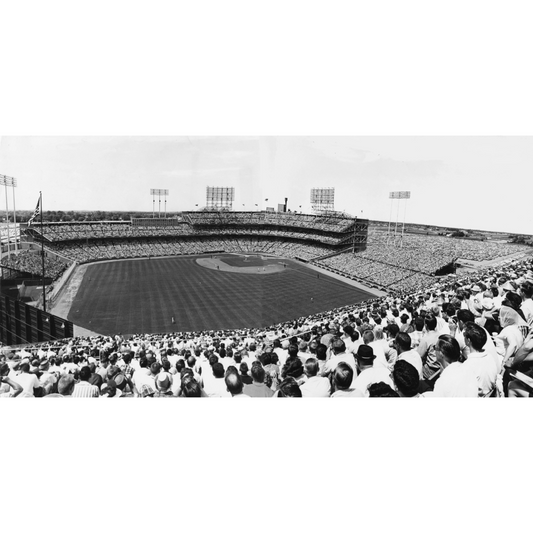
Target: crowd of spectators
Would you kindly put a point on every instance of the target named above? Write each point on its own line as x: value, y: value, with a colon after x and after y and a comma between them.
x: 443, y: 249
x: 325, y: 222
x: 373, y: 272
x: 410, y: 265
x: 97, y: 250
x: 467, y: 336
x: 29, y: 261
x: 197, y: 224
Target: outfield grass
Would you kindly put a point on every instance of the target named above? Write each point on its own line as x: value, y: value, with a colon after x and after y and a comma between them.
x: 135, y: 296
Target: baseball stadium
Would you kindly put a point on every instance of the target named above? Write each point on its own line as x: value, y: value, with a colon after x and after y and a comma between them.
x: 312, y: 302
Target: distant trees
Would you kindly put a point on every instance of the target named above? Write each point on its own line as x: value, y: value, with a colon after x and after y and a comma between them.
x: 521, y: 239
x: 82, y: 216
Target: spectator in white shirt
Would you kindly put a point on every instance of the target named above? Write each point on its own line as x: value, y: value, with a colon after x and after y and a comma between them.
x: 351, y: 339
x: 316, y: 386
x: 418, y: 333
x: 339, y: 354
x: 368, y: 373
x: 456, y: 379
x: 342, y: 380
x: 29, y: 382
x: 369, y: 338
x: 215, y: 385
x: 402, y: 342
x: 480, y: 361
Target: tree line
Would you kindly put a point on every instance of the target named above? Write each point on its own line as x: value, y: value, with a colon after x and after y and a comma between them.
x: 82, y: 216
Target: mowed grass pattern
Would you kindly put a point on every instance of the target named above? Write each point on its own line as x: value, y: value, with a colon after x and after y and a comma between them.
x: 142, y: 296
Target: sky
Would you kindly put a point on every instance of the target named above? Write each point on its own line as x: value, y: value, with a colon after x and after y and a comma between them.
x: 457, y: 181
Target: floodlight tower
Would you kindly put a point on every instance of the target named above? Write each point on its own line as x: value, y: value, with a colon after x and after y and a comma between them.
x: 8, y: 181
x: 220, y: 198
x: 159, y: 193
x: 398, y: 195
x: 323, y: 200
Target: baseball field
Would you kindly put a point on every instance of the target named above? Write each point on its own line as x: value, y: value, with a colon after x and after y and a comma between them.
x: 194, y: 293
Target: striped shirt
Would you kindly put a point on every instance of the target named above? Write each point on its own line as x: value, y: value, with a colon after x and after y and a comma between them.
x: 84, y: 389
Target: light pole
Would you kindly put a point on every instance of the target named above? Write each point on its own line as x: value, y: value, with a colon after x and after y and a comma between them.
x: 8, y: 181
x: 159, y: 193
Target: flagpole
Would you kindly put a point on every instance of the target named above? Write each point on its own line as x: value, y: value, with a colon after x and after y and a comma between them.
x: 42, y: 249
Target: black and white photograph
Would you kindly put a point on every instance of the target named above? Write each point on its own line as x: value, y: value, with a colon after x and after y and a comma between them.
x: 209, y: 201
x: 257, y: 269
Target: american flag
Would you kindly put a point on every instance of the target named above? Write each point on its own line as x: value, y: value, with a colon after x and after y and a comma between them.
x: 36, y: 212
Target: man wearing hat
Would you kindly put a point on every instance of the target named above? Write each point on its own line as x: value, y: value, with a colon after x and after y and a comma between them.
x: 474, y: 302
x: 163, y: 384
x: 508, y: 286
x: 47, y: 379
x: 146, y: 391
x: 110, y: 390
x: 124, y: 384
x: 487, y: 320
x: 367, y: 372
